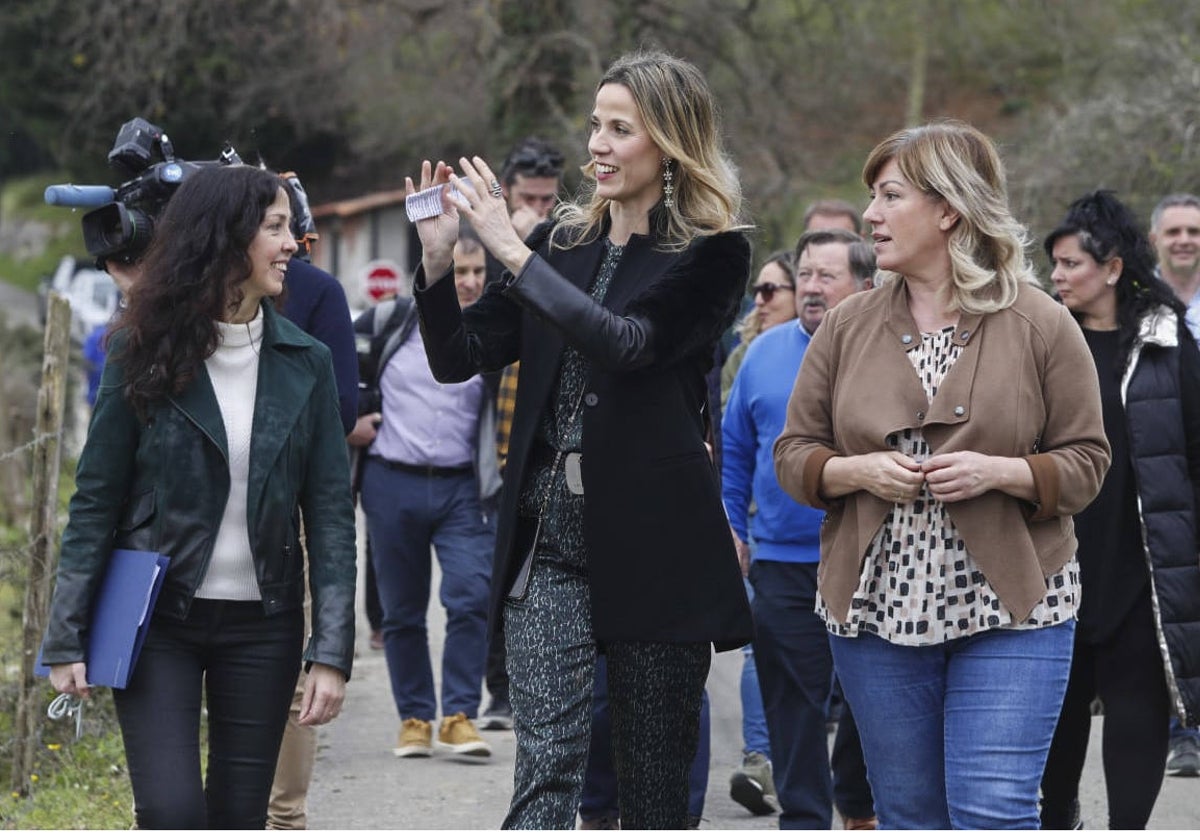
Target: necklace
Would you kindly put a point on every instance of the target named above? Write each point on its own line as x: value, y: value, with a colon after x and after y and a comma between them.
x: 250, y: 336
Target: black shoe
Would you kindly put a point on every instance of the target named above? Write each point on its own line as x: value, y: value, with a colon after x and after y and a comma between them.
x: 752, y: 786
x: 1058, y: 818
x: 498, y: 715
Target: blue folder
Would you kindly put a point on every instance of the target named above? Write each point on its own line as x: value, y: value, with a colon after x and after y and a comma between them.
x: 120, y: 616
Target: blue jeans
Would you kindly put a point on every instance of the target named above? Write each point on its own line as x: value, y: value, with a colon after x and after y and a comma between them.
x: 406, y: 514
x: 956, y: 735
x: 1179, y: 731
x: 754, y: 720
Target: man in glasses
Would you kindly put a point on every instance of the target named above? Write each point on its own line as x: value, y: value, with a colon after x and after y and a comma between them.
x: 791, y: 647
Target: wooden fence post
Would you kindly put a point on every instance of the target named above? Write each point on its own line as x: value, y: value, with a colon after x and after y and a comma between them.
x: 43, y: 529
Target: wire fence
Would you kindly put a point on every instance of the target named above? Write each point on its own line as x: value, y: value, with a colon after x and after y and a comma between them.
x: 30, y: 427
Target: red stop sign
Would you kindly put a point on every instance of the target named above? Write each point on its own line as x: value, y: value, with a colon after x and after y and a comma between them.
x: 381, y: 279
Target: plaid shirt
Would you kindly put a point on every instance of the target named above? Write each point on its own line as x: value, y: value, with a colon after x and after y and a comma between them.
x: 506, y: 400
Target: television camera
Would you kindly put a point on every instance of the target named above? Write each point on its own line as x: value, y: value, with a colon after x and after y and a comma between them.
x: 122, y: 223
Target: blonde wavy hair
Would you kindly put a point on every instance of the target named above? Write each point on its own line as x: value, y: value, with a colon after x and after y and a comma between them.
x: 675, y: 105
x: 956, y: 162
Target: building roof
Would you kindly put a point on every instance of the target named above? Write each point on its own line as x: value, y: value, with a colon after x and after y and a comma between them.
x: 358, y: 206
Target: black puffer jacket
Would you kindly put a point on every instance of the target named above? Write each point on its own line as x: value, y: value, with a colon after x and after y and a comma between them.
x: 1164, y: 442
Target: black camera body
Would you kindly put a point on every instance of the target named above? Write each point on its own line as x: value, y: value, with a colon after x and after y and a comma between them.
x: 122, y: 224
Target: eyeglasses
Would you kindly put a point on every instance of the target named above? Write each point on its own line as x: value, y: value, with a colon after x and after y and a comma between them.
x: 534, y: 162
x: 768, y: 290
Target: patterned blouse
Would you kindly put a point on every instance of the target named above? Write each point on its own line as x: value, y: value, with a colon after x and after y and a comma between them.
x: 919, y: 584
x: 561, y: 430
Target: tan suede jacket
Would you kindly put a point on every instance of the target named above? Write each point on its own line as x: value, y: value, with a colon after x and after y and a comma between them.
x: 1024, y: 386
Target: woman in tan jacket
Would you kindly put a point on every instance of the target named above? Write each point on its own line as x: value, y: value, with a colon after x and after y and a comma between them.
x: 949, y: 423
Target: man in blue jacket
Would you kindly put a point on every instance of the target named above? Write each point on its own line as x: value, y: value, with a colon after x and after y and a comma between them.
x: 791, y: 647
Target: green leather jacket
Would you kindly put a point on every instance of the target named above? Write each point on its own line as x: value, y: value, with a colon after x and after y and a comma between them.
x: 162, y: 486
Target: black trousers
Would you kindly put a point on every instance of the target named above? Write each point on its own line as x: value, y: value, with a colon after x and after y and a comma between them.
x: 244, y: 665
x: 1126, y: 673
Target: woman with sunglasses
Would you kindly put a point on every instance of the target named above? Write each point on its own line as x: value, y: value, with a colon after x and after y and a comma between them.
x: 774, y: 295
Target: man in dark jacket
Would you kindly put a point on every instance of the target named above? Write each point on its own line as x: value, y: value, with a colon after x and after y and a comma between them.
x: 315, y: 302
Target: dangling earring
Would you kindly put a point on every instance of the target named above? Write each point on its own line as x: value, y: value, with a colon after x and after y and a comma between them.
x: 668, y: 186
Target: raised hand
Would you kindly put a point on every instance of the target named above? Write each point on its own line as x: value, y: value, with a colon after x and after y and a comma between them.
x: 439, y: 233
x: 483, y: 205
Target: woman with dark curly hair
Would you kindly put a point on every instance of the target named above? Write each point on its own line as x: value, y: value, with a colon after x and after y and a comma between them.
x: 1136, y: 645
x: 215, y: 424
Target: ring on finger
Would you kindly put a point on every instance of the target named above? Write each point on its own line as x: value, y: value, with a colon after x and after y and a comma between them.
x: 494, y: 188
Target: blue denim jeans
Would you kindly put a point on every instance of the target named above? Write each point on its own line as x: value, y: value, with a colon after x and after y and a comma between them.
x: 754, y: 720
x: 406, y: 514
x: 956, y: 735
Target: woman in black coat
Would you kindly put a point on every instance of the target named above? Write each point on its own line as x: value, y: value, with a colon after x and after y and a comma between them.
x: 1137, y: 644
x: 611, y: 530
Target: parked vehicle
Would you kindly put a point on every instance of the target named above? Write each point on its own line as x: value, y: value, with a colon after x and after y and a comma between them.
x: 93, y: 295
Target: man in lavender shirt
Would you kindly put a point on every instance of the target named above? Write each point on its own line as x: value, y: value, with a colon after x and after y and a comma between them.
x: 430, y: 478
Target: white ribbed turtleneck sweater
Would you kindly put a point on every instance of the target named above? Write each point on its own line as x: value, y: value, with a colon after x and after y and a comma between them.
x: 233, y: 369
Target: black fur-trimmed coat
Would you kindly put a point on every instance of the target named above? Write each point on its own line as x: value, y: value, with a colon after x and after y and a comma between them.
x: 662, y: 565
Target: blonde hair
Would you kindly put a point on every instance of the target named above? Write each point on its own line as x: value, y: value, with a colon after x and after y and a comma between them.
x: 675, y: 105
x: 958, y: 163
x: 749, y: 327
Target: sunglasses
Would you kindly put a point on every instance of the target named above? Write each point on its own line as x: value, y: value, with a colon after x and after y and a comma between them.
x: 534, y: 163
x: 768, y: 290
